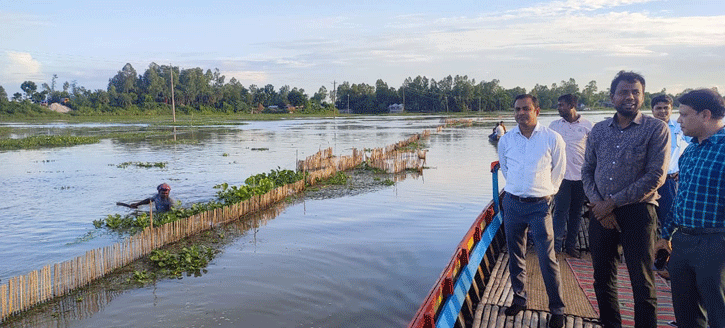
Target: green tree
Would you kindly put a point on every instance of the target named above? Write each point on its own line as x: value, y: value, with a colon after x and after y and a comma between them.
x: 297, y: 97
x: 385, y: 96
x: 17, y: 96
x: 320, y: 96
x: 30, y: 88
x: 125, y: 81
x: 3, y: 95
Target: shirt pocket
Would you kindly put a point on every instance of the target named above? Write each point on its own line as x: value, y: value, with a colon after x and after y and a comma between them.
x: 634, y: 154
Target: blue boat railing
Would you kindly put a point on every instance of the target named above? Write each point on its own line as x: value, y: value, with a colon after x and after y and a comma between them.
x: 455, y: 295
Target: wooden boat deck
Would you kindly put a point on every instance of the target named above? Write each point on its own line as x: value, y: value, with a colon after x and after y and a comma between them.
x: 498, y: 296
x: 474, y: 289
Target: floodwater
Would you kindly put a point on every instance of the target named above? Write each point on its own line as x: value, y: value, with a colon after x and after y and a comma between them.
x: 361, y: 260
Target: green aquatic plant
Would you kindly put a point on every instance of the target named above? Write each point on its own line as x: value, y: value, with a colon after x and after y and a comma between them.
x: 189, y: 260
x: 142, y: 164
x: 256, y: 185
x: 35, y: 142
x: 142, y: 277
x: 339, y: 178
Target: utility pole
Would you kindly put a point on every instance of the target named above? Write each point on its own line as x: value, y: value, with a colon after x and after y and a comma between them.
x: 348, y: 103
x: 334, y: 92
x: 173, y: 105
x: 403, y: 97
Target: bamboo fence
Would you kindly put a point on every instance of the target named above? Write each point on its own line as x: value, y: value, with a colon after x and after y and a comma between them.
x: 20, y: 293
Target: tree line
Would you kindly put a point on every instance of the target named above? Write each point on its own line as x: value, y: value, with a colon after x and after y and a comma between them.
x: 196, y: 90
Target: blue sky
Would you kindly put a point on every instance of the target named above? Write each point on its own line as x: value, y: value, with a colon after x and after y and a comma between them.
x: 674, y: 44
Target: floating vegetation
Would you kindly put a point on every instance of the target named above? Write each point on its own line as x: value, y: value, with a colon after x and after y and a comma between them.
x: 142, y: 277
x: 190, y: 260
x: 135, y: 222
x: 411, y: 147
x: 146, y: 165
x: 367, y: 167
x: 340, y: 179
x: 225, y: 155
x: 260, y: 149
x: 388, y: 182
x: 35, y: 142
x: 255, y: 185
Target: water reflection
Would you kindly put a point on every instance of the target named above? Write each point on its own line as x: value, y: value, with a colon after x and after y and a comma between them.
x: 368, y: 257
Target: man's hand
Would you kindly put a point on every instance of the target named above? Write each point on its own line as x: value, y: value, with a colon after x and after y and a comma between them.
x: 663, y: 244
x: 602, y: 208
x: 610, y: 222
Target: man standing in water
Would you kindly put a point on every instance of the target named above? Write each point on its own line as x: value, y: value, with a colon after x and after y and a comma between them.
x: 625, y: 162
x: 533, y: 160
x: 569, y: 200
x: 162, y: 201
x: 696, y: 222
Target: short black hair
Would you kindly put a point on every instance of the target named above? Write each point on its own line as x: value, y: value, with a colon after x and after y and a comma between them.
x: 702, y: 99
x: 629, y: 77
x: 661, y: 98
x: 569, y: 99
x: 526, y: 95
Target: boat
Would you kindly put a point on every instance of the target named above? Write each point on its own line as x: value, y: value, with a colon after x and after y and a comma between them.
x: 472, y: 290
x: 493, y: 137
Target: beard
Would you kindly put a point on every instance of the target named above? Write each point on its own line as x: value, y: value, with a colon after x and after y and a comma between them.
x: 627, y: 111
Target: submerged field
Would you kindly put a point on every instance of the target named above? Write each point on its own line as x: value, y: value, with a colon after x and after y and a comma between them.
x: 366, y: 255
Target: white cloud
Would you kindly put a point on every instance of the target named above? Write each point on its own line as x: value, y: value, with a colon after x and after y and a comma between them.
x: 259, y: 78
x: 615, y: 34
x: 20, y: 67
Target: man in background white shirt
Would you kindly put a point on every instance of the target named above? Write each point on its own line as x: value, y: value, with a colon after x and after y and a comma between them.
x: 533, y: 161
x: 662, y: 109
x: 569, y: 200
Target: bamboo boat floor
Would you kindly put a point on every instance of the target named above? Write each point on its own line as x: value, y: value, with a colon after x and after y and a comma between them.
x: 498, y: 295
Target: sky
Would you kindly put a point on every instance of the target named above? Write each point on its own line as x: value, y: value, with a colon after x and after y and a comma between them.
x: 308, y: 44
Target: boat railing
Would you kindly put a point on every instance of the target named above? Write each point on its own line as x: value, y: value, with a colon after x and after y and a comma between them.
x: 454, y: 296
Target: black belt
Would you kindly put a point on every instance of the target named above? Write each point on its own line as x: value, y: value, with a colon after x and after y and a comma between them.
x: 700, y: 231
x: 529, y: 199
x: 673, y: 176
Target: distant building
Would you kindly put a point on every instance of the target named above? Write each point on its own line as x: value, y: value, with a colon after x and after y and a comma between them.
x: 396, y: 108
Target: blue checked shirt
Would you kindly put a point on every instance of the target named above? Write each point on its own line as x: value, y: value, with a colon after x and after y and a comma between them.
x: 700, y: 200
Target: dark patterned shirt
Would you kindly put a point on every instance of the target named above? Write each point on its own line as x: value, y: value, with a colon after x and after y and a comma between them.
x: 627, y: 165
x: 700, y: 200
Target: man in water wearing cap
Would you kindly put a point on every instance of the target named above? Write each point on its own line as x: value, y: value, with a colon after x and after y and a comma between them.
x: 162, y: 201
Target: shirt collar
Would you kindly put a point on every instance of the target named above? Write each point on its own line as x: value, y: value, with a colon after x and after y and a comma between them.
x: 637, y: 119
x: 717, y: 138
x: 537, y: 128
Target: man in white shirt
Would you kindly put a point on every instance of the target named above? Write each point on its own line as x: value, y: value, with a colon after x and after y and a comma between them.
x: 662, y: 109
x: 533, y: 160
x: 569, y: 200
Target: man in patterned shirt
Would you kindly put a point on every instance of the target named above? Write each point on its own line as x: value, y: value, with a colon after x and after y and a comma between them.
x: 697, y: 263
x: 624, y: 163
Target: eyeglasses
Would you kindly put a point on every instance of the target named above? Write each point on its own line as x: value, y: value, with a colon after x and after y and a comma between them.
x: 164, y: 189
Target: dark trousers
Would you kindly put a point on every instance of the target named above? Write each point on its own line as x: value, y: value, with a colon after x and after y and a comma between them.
x: 568, y: 204
x: 518, y: 218
x: 667, y: 192
x: 697, y: 272
x: 638, y: 224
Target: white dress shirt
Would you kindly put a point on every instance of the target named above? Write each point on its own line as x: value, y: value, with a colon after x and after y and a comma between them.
x: 534, y: 166
x: 678, y: 142
x: 575, y: 136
